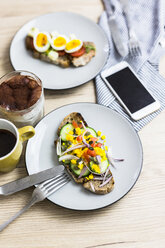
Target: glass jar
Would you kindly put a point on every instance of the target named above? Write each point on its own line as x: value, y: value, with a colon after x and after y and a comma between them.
x: 21, y: 98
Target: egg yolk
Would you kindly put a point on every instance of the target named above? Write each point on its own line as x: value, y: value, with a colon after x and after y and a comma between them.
x: 41, y: 40
x: 60, y: 41
x: 73, y: 44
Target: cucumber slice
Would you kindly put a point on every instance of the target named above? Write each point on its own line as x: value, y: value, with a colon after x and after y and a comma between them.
x: 77, y: 171
x: 65, y: 130
x: 92, y: 131
x: 103, y: 166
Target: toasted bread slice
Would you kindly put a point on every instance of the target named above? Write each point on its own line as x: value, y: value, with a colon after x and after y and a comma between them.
x: 96, y: 185
x: 86, y: 57
x: 86, y: 184
x: 62, y: 61
x: 65, y: 60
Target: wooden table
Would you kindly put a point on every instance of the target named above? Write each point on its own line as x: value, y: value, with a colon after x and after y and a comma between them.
x: 135, y: 221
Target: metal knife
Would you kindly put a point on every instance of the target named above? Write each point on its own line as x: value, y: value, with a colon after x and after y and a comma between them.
x: 26, y: 182
x: 115, y: 29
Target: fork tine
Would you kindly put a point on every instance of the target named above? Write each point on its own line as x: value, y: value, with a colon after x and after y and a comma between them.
x: 135, y: 48
x: 50, y: 186
x: 139, y: 50
x: 50, y: 180
x: 57, y: 187
x: 130, y: 49
x: 55, y: 183
x: 133, y: 51
x: 136, y: 51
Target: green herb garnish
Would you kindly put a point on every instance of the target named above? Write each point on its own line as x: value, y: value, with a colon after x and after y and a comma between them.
x: 88, y: 48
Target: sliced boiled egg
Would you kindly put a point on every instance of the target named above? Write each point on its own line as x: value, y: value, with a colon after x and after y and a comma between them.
x: 73, y: 45
x: 33, y: 31
x: 54, y: 34
x: 41, y: 41
x: 72, y: 37
x: 58, y: 41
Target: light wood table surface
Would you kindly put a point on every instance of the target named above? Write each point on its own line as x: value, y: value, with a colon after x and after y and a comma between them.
x: 136, y: 221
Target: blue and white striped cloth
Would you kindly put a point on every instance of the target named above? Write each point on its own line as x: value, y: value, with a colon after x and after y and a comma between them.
x: 148, y: 22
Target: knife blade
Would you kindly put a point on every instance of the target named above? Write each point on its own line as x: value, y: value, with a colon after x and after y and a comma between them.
x: 115, y: 30
x: 26, y: 182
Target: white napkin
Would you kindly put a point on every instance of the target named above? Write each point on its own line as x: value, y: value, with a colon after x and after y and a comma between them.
x: 148, y: 22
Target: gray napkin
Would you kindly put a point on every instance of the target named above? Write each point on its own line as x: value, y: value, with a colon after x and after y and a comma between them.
x: 147, y: 20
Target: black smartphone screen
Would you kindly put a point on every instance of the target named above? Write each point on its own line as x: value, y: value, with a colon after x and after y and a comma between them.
x: 130, y: 90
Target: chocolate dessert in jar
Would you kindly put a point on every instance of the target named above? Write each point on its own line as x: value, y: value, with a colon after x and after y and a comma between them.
x: 21, y: 98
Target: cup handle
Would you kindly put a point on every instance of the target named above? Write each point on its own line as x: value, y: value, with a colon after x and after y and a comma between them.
x: 26, y: 133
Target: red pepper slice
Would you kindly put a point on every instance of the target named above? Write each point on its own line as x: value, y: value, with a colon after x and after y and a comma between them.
x: 79, y: 138
x: 74, y: 123
x: 91, y: 153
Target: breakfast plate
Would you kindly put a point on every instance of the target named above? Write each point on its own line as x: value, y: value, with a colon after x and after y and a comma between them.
x: 120, y: 135
x: 52, y: 76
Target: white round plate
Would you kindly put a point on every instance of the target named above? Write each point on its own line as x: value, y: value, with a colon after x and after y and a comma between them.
x: 53, y: 76
x: 120, y: 135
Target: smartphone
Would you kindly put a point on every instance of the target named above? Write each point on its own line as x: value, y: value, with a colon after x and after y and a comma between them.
x: 128, y: 89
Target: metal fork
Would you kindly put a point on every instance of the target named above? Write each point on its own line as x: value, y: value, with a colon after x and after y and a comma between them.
x: 133, y: 43
x: 40, y: 193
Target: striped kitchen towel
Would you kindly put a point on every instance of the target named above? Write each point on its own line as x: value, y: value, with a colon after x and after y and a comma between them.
x: 148, y: 22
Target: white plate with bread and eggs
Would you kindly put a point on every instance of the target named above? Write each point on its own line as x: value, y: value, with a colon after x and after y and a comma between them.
x: 63, y: 49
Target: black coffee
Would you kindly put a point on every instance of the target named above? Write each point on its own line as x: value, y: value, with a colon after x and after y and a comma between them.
x: 7, y: 142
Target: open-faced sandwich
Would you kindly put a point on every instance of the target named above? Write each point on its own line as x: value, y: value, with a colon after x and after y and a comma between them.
x: 59, y: 49
x: 83, y: 152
